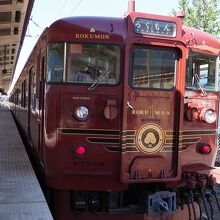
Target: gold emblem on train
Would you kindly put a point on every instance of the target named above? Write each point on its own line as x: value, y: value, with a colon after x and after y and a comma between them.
x: 150, y: 138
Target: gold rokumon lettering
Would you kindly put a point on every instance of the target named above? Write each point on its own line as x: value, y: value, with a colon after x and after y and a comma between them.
x: 93, y: 36
x: 151, y: 113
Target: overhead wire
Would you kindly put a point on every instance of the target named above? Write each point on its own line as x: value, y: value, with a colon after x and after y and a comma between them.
x: 28, y: 34
x: 77, y: 5
x: 61, y: 9
x: 37, y: 25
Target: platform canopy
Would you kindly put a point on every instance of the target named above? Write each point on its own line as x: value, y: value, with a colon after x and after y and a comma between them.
x: 14, y: 18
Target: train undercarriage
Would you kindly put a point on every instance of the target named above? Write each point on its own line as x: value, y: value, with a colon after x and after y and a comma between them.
x: 195, y: 198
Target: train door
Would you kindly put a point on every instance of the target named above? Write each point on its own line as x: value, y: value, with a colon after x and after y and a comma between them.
x: 151, y: 115
x: 33, y: 108
x: 41, y: 106
x: 38, y: 103
x: 29, y: 103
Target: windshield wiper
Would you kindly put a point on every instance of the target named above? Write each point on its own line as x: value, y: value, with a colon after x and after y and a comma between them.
x: 196, y: 77
x: 99, y: 80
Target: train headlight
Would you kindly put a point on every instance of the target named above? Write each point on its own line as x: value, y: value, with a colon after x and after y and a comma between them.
x: 81, y: 112
x: 210, y: 116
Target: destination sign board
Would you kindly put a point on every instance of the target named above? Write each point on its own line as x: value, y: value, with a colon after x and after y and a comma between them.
x: 155, y: 27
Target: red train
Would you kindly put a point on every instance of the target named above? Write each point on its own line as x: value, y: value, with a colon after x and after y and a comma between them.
x: 122, y: 114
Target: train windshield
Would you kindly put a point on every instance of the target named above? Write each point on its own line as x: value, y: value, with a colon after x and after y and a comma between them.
x: 153, y: 67
x: 201, y: 70
x: 93, y: 63
x: 85, y: 63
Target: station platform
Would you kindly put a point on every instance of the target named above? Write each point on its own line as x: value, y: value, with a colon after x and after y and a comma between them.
x: 21, y: 197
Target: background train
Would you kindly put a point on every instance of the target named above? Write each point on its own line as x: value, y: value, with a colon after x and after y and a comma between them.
x: 122, y: 115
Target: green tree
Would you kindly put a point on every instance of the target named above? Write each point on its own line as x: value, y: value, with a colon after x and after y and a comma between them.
x: 201, y: 14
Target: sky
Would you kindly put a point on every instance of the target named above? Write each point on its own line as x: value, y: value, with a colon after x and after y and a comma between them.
x: 46, y: 12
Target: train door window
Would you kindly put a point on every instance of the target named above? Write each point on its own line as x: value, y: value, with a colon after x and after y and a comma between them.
x: 23, y: 94
x: 200, y: 73
x: 26, y: 92
x: 90, y: 63
x: 16, y: 97
x: 37, y: 78
x: 55, y: 62
x: 41, y: 81
x: 33, y: 90
x: 153, y: 67
x: 19, y: 97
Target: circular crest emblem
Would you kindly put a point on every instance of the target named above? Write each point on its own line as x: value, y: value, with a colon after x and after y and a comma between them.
x: 150, y: 138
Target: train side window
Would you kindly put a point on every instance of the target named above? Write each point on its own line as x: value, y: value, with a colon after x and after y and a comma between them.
x: 88, y: 63
x: 200, y: 72
x: 153, y: 67
x: 55, y: 62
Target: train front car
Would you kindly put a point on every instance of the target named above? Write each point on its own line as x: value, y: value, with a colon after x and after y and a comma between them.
x: 201, y: 115
x: 201, y: 100
x: 83, y: 98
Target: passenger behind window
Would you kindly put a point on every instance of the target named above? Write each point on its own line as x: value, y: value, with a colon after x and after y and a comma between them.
x: 84, y: 77
x: 81, y: 76
x: 72, y: 73
x: 55, y: 66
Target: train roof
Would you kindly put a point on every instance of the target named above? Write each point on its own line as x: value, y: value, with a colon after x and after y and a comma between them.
x: 89, y: 24
x: 83, y: 21
x: 200, y: 41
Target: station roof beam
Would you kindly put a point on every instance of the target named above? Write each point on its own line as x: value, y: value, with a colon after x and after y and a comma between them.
x: 14, y: 17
